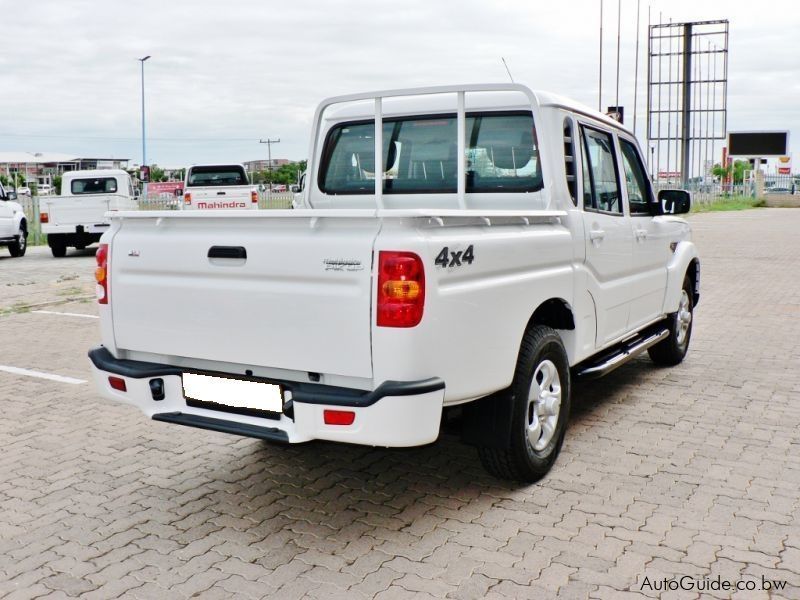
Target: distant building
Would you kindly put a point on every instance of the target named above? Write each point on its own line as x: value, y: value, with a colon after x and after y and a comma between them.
x: 264, y: 165
x: 42, y: 167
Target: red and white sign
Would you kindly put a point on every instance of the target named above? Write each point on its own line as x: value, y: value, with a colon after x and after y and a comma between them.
x: 784, y: 165
x: 164, y: 187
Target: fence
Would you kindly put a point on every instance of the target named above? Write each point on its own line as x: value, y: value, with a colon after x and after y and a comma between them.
x: 30, y: 204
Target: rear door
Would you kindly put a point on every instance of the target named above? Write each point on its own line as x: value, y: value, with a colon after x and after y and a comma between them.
x: 246, y: 288
x: 608, y: 234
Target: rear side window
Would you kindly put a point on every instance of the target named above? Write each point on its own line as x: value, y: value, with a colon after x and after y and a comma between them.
x: 216, y: 176
x: 600, y: 167
x: 98, y: 185
x: 420, y: 155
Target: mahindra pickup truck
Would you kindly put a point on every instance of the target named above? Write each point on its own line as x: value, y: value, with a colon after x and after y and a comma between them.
x: 468, y: 249
x: 77, y: 217
x: 213, y: 187
x: 13, y: 223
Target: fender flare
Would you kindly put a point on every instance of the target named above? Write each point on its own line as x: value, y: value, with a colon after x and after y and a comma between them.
x: 684, y: 259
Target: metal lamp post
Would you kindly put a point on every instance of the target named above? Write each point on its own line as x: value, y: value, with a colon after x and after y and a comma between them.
x: 144, y: 143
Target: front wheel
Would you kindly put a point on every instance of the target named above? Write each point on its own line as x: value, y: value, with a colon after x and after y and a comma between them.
x: 18, y: 247
x: 671, y: 350
x: 540, y: 403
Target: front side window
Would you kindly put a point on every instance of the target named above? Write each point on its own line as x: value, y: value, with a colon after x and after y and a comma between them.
x: 602, y: 170
x: 420, y: 155
x: 97, y: 185
x: 216, y: 176
x: 635, y: 179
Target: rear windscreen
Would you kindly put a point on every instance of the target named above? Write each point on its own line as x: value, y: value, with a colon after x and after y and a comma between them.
x: 214, y: 176
x: 420, y: 155
x: 97, y: 185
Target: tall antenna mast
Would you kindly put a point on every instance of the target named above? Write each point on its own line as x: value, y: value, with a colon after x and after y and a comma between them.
x: 600, y: 83
x: 619, y: 24
x: 636, y: 68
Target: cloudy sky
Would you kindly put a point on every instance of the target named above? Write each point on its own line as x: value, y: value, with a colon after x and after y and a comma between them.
x: 224, y: 74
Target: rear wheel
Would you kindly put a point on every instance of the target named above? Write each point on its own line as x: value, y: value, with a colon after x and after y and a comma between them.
x: 540, y: 402
x: 58, y: 245
x: 671, y: 350
x: 18, y: 247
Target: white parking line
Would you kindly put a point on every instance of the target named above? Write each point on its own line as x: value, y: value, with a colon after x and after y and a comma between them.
x: 52, y: 312
x: 40, y: 375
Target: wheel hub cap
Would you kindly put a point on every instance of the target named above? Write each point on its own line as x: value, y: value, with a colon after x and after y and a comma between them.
x: 684, y: 317
x: 544, y: 404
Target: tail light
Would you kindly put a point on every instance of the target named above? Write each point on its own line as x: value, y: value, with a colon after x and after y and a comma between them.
x: 401, y: 289
x: 101, y: 274
x: 254, y: 197
x: 117, y: 383
x: 44, y: 217
x: 187, y: 198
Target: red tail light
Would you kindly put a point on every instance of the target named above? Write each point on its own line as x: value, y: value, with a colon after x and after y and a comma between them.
x: 187, y: 198
x: 44, y: 217
x: 101, y: 274
x: 254, y: 197
x: 117, y: 383
x: 401, y: 289
x: 339, y: 417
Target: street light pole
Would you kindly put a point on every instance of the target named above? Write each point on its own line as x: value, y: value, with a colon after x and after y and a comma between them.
x: 144, y: 143
x: 269, y: 143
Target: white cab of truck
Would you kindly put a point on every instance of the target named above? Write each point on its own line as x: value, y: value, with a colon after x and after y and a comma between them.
x: 77, y: 217
x: 215, y: 187
x: 511, y: 242
x: 13, y: 223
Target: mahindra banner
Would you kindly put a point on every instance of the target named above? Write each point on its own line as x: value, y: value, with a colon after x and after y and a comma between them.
x: 164, y: 187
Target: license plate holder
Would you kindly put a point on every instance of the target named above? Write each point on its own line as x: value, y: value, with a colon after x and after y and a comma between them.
x: 230, y: 394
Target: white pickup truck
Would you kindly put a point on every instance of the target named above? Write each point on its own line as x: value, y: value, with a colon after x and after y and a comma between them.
x: 210, y: 187
x: 77, y: 217
x: 511, y: 243
x: 13, y: 223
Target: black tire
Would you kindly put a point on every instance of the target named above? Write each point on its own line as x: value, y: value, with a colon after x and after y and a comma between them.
x: 18, y: 248
x: 672, y: 350
x: 58, y: 250
x: 521, y: 460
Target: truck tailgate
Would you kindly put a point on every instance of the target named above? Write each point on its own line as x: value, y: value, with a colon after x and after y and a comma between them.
x: 210, y: 198
x: 78, y: 210
x: 299, y: 300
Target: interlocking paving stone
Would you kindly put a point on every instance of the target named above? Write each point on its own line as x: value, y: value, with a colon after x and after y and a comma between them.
x: 665, y: 472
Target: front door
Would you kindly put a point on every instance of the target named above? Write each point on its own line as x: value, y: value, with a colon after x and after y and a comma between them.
x: 651, y: 251
x: 609, y: 237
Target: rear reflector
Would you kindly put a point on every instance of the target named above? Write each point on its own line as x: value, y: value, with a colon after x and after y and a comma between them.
x: 118, y: 383
x: 254, y: 197
x: 44, y: 217
x: 187, y: 198
x: 339, y: 417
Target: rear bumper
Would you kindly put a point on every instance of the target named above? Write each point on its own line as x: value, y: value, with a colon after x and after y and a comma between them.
x: 397, y: 414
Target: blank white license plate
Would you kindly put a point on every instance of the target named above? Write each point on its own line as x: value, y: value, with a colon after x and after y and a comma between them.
x: 233, y: 392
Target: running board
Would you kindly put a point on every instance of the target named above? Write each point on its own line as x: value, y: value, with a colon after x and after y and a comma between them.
x: 625, y: 352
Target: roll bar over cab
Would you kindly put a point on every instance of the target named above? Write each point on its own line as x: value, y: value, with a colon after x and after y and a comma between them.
x: 472, y: 247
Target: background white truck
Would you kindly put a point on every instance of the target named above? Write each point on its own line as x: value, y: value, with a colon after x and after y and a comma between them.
x: 511, y: 242
x: 13, y: 223
x: 76, y: 218
x: 210, y: 187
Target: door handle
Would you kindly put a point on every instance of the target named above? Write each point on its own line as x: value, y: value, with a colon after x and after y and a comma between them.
x: 227, y: 252
x: 596, y: 235
x: 641, y: 234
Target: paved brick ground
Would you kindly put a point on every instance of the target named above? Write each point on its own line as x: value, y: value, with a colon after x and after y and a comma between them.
x: 665, y: 472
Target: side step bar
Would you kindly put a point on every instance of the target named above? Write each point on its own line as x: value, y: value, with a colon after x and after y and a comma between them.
x: 272, y: 434
x: 621, y: 355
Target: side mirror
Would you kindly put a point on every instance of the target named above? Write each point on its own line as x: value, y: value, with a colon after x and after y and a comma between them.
x: 674, y: 202
x: 11, y: 196
x: 178, y: 193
